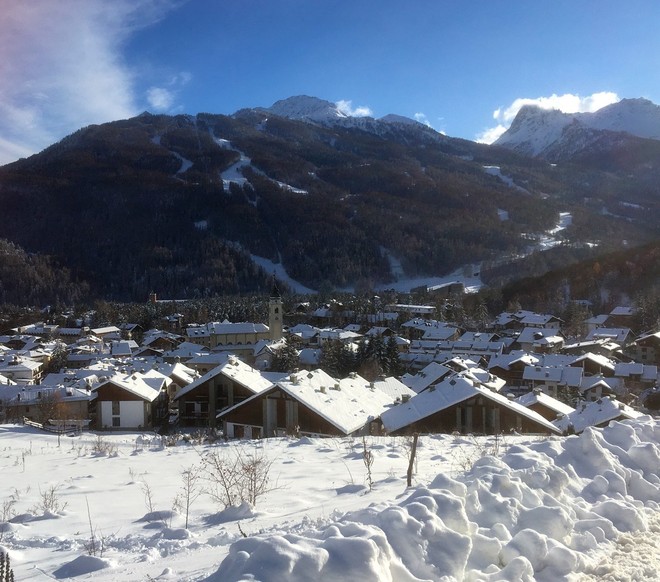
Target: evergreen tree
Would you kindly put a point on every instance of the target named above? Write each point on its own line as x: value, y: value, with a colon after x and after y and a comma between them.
x: 285, y: 359
x: 392, y: 362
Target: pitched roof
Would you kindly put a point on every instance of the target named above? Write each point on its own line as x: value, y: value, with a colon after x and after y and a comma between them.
x: 596, y: 413
x: 347, y: 404
x: 450, y: 392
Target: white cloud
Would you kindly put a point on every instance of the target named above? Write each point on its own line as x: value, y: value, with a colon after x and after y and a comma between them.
x: 61, y: 67
x: 567, y: 103
x: 421, y: 117
x: 346, y: 107
x: 159, y: 98
x: 490, y: 135
x: 163, y: 98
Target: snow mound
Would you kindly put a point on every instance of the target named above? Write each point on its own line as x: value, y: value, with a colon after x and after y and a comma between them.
x: 233, y: 513
x: 541, y: 512
x: 80, y: 566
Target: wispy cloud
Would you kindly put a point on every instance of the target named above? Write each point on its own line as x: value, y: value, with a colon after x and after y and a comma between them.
x: 62, y: 68
x: 164, y: 98
x: 347, y: 108
x: 421, y: 117
x: 568, y: 103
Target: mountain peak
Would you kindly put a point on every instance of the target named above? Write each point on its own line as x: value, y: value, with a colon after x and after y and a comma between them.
x: 535, y: 130
x: 306, y: 108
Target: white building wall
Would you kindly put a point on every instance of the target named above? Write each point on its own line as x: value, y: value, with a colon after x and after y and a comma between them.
x: 106, y: 414
x: 131, y: 413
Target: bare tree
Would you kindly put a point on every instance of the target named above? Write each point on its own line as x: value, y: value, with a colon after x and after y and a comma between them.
x: 237, y: 477
x: 190, y: 490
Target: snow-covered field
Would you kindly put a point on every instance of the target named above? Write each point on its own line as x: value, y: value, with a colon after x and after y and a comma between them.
x: 512, y: 508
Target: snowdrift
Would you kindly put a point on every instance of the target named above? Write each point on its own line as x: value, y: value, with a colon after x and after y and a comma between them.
x: 540, y: 512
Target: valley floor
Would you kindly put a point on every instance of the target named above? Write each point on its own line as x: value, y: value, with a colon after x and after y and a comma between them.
x: 480, y: 508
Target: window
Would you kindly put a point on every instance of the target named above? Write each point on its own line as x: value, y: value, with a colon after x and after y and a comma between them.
x: 115, y: 408
x: 116, y: 421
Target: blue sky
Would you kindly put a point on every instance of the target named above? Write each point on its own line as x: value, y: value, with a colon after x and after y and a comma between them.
x: 462, y: 66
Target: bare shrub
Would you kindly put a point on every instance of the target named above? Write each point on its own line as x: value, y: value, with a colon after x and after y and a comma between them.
x: 237, y: 477
x: 189, y: 491
x: 50, y: 501
x: 103, y: 447
x: 368, y: 458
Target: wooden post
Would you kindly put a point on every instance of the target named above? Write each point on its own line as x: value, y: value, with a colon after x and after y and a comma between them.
x: 411, y: 463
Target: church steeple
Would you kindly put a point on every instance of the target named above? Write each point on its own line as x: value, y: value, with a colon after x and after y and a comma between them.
x: 275, y: 312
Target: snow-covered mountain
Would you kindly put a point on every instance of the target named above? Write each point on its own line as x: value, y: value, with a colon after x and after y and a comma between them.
x: 552, y: 134
x: 305, y: 108
x: 322, y: 112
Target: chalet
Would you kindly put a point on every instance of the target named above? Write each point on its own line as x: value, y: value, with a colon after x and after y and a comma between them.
x: 462, y: 403
x: 184, y: 351
x: 107, y: 333
x: 523, y: 318
x: 596, y: 387
x: 20, y: 369
x: 595, y: 322
x: 424, y: 311
x: 161, y: 340
x: 598, y: 413
x: 594, y: 364
x: 552, y: 380
x: 427, y: 377
x: 222, y: 387
x: 46, y: 404
x: 621, y: 316
x: 548, y: 407
x: 313, y: 403
x: 131, y: 401
x: 636, y: 377
x: 511, y: 367
x: 646, y: 349
x: 540, y: 340
x: 618, y: 335
x: 416, y: 328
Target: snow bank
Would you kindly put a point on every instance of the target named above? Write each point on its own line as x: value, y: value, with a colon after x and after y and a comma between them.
x: 544, y: 511
x: 81, y: 565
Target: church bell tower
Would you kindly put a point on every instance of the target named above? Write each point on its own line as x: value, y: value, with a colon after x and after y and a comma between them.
x: 275, y: 312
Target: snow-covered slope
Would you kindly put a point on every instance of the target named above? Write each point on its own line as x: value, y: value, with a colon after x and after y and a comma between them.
x: 305, y: 108
x: 548, y: 133
x: 322, y: 112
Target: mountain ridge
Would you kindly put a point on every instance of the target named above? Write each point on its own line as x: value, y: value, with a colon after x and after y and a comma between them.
x: 550, y: 133
x: 181, y: 204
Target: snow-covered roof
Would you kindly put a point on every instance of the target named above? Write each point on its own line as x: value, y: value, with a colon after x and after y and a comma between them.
x: 236, y: 370
x: 448, y: 393
x: 539, y: 397
x: 616, y: 334
x: 645, y: 372
x: 623, y: 310
x: 347, y: 404
x: 564, y: 375
x: 147, y: 386
x: 596, y: 413
x: 598, y: 359
x: 426, y: 377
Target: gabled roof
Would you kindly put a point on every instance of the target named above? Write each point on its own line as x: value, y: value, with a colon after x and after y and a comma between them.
x: 429, y: 375
x: 601, y: 361
x: 563, y: 375
x: 596, y: 413
x: 347, y: 404
x: 147, y: 386
x: 236, y: 370
x: 645, y: 372
x: 539, y: 397
x: 451, y: 392
x: 616, y: 334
